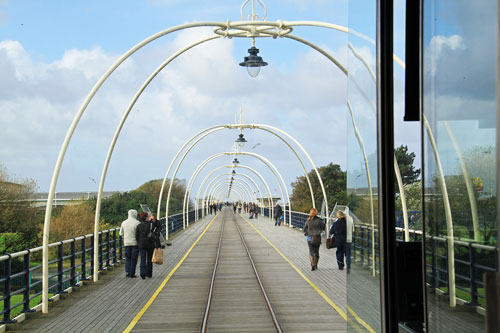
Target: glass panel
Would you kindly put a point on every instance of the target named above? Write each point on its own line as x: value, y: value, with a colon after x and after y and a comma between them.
x: 363, y: 283
x: 460, y: 43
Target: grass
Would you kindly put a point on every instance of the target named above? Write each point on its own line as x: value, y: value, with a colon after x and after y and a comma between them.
x: 466, y: 296
x: 19, y: 298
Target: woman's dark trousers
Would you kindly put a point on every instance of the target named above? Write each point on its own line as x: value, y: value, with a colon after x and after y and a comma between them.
x: 146, y: 263
x: 340, y: 253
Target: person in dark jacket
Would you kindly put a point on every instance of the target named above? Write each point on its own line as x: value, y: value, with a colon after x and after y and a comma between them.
x: 146, y: 246
x: 278, y: 211
x: 312, y: 229
x: 339, y: 231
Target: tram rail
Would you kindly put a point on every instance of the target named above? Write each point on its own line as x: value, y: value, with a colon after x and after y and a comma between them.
x: 210, y: 297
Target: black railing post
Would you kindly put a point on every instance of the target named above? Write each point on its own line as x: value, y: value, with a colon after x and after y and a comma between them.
x: 120, y: 246
x: 72, y: 279
x: 84, y: 259
x: 114, y: 248
x: 108, y: 250
x: 60, y: 268
x: 6, y: 292
x: 92, y: 257
x: 27, y: 283
x: 362, y: 243
x: 433, y: 263
x: 472, y: 267
x: 100, y: 258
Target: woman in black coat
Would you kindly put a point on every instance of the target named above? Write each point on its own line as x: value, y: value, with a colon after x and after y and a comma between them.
x: 143, y: 234
x: 339, y: 231
x: 312, y: 229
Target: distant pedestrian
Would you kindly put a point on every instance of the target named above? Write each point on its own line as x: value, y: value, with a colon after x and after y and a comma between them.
x: 144, y: 235
x: 349, y: 222
x: 256, y: 210
x: 127, y: 231
x: 278, y: 211
x: 313, y: 228
x: 339, y: 231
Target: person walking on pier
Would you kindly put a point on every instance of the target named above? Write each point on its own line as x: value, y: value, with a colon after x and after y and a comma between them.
x: 312, y: 229
x: 144, y: 235
x: 278, y: 211
x: 339, y: 231
x: 127, y: 231
x: 349, y: 222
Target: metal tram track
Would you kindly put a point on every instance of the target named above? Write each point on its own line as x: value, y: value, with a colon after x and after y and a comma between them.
x: 204, y: 327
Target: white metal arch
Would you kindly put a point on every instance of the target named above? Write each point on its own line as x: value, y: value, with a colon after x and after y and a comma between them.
x: 273, y: 169
x: 268, y: 189
x: 224, y: 183
x: 235, y: 178
x: 221, y: 186
x: 197, y: 198
x: 245, y: 29
x: 270, y: 129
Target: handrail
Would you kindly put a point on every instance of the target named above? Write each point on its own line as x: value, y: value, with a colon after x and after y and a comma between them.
x: 470, y: 272
x: 78, y: 252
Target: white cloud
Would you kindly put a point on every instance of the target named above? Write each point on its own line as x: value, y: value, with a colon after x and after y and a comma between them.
x: 202, y: 88
x: 440, y: 43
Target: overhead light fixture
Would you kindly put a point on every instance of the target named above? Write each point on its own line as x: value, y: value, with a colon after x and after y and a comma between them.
x: 241, y: 140
x: 253, y: 62
x: 235, y: 162
x: 234, y: 172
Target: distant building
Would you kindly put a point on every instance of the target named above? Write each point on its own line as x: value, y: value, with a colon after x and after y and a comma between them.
x: 67, y: 198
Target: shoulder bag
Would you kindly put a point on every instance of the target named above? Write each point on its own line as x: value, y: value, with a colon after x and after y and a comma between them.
x: 330, y: 243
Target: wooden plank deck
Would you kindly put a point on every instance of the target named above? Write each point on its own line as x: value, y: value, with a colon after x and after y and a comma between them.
x: 238, y: 304
x: 111, y: 304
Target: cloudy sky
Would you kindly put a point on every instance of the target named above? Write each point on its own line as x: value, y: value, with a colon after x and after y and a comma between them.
x: 52, y: 53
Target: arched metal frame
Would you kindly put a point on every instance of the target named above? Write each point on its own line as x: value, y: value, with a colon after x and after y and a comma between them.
x: 229, y: 174
x: 216, y: 180
x: 271, y: 167
x: 220, y: 189
x: 244, y: 29
x: 270, y: 129
x: 203, y: 198
x: 268, y: 189
x: 223, y: 184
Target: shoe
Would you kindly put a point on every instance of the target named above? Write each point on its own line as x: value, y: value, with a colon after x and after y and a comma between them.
x: 132, y: 276
x: 341, y: 268
x: 316, y: 267
x: 127, y: 275
x: 313, y: 268
x: 143, y: 277
x: 149, y: 276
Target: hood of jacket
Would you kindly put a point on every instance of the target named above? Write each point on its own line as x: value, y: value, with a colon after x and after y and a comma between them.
x: 132, y: 214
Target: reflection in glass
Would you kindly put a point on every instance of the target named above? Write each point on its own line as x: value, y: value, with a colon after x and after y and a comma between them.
x: 363, y: 284
x: 459, y: 159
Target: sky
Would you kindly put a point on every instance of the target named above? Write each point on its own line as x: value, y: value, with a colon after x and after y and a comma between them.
x: 53, y: 52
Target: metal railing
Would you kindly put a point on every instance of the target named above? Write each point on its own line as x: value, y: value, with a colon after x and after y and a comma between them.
x: 72, y: 262
x: 469, y: 267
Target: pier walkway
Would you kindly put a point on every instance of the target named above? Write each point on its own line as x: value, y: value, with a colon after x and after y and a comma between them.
x: 303, y: 300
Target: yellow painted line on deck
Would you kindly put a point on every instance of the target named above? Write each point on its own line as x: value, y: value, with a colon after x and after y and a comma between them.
x: 359, y: 320
x: 162, y: 285
x: 312, y: 284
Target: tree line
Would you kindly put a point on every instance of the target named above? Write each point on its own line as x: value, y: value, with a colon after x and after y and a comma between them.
x: 21, y: 221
